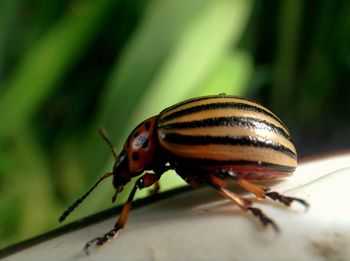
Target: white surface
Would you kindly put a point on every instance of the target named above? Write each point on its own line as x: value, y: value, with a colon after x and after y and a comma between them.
x: 199, y: 225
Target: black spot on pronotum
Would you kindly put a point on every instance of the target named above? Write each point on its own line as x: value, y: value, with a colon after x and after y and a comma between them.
x: 147, y: 125
x: 145, y: 144
x: 136, y: 133
x: 135, y: 156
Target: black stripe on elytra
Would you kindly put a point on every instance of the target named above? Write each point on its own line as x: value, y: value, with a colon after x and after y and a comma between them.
x: 226, y: 140
x: 217, y: 106
x: 215, y: 162
x: 246, y: 122
x: 204, y: 98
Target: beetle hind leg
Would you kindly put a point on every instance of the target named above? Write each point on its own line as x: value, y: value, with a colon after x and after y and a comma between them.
x: 263, y: 192
x: 286, y: 200
x: 265, y: 220
x: 243, y: 203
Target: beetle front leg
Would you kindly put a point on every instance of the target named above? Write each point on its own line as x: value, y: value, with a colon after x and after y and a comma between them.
x: 148, y: 179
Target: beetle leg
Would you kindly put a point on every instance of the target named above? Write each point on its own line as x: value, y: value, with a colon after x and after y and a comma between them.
x: 191, y: 180
x: 243, y: 203
x: 286, y: 200
x: 259, y: 191
x: 155, y: 188
x: 148, y: 179
x: 263, y: 192
x: 159, y: 171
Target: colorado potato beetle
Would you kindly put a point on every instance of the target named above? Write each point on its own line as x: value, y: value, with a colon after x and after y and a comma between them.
x: 206, y: 140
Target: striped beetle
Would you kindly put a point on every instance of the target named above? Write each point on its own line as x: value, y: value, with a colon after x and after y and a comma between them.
x: 206, y: 140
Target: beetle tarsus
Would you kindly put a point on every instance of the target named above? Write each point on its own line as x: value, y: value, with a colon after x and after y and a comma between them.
x: 243, y: 203
x: 99, y: 241
x: 263, y: 192
x: 88, y: 245
x: 265, y: 220
x: 286, y: 200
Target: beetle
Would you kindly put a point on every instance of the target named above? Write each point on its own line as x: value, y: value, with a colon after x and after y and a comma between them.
x: 206, y: 140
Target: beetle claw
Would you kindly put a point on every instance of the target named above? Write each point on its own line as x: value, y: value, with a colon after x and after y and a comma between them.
x: 90, y: 243
x: 287, y: 200
x: 99, y: 241
x: 265, y: 220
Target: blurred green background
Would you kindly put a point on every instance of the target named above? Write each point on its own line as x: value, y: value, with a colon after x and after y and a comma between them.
x: 67, y: 67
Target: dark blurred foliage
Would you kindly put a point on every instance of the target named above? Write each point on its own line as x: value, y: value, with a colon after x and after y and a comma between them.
x: 67, y: 67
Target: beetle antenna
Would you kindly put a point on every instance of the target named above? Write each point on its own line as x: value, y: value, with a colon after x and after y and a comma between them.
x: 104, y: 136
x: 77, y: 203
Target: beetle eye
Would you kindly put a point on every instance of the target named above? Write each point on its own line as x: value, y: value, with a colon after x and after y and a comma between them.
x: 122, y: 159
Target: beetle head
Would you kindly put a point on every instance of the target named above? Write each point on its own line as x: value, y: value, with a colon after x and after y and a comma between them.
x: 120, y: 173
x: 136, y: 156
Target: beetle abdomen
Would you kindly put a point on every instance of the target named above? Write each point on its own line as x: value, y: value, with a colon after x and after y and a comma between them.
x: 225, y: 131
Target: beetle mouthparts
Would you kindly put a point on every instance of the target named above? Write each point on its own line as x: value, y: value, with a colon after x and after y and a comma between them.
x: 114, y: 198
x: 118, y: 190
